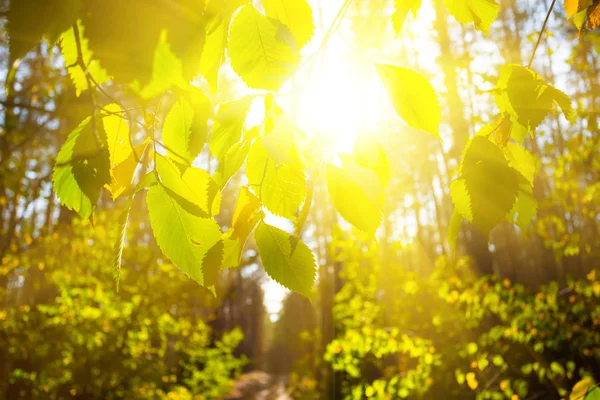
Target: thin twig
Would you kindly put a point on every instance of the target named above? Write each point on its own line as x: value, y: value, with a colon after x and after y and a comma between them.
x: 539, y: 38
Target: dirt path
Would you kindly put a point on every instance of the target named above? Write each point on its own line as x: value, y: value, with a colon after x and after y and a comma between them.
x: 258, y: 385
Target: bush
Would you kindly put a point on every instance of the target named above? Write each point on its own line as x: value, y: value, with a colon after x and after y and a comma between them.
x: 67, y: 331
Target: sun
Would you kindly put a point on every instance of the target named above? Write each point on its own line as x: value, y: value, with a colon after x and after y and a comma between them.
x: 336, y: 97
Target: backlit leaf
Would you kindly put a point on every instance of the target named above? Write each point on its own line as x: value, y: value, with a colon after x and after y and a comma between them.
x: 228, y: 124
x: 117, y: 134
x: 480, y: 12
x: 294, y: 270
x: 194, y: 186
x: 413, y: 97
x: 177, y: 130
x: 356, y: 192
x: 245, y: 217
x: 295, y: 14
x: 184, y: 238
x: 401, y: 10
x: 281, y: 188
x: 491, y: 184
x: 369, y: 153
x: 82, y: 167
x: 68, y: 45
x: 262, y: 50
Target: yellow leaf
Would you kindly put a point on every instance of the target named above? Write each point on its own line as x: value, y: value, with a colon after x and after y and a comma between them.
x: 581, y: 388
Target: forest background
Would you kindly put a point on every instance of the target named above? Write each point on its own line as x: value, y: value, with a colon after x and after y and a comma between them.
x: 415, y: 304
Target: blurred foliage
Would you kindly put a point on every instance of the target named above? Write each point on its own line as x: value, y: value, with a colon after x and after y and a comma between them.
x: 404, y: 334
x: 77, y: 336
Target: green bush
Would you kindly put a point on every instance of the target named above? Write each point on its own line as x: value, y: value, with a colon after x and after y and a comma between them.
x: 448, y: 334
x: 68, y: 332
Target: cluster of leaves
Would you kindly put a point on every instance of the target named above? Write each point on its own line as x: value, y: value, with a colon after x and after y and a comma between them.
x: 149, y: 55
x: 402, y: 334
x: 70, y: 334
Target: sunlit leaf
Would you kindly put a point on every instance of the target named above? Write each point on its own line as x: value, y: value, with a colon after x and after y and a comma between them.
x: 117, y: 134
x: 356, y: 193
x: 369, y: 153
x: 295, y: 14
x: 522, y: 94
x: 281, y: 187
x: 573, y: 7
x: 491, y: 184
x: 480, y: 12
x: 82, y: 168
x: 213, y: 56
x: 195, y: 186
x: 184, y: 238
x: 177, y: 130
x: 228, y: 124
x: 294, y: 270
x: 167, y: 70
x: 401, y: 10
x: 70, y: 52
x: 262, y: 51
x: 581, y: 388
x: 245, y: 217
x: 413, y: 97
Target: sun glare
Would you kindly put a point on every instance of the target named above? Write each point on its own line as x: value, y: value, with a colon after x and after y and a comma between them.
x: 336, y: 98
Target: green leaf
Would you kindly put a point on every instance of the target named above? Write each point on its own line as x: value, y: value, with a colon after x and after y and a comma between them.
x: 522, y: 94
x: 199, y: 128
x: 413, y: 97
x: 593, y: 394
x: 68, y: 45
x: 121, y: 175
x: 195, y: 189
x: 262, y: 51
x: 460, y: 198
x: 356, y: 193
x: 228, y: 125
x: 369, y: 153
x: 231, y: 162
x: 117, y: 134
x: 525, y: 207
x: 82, y: 167
x: 480, y: 12
x: 563, y: 101
x: 491, y: 184
x: 296, y: 15
x: 184, y: 238
x: 245, y: 217
x: 282, y: 188
x: 120, y: 243
x: 213, y: 56
x: 401, y: 10
x: 294, y: 270
x: 31, y: 20
x: 521, y: 160
x: 177, y: 130
x: 167, y: 70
